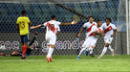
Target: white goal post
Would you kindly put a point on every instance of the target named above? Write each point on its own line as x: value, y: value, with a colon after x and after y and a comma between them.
x: 128, y: 25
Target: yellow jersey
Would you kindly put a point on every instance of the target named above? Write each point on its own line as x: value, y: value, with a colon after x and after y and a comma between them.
x: 23, y: 23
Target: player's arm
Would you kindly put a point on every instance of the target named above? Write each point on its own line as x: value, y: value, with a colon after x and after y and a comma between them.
x: 29, y: 21
x: 34, y: 27
x: 37, y: 26
x: 80, y: 32
x: 17, y: 24
x: 68, y: 23
x: 17, y: 27
x: 115, y: 30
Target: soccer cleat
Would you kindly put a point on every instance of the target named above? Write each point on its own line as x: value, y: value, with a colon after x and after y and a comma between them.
x: 23, y: 57
x: 99, y: 57
x: 49, y: 59
x: 78, y: 57
x: 92, y: 55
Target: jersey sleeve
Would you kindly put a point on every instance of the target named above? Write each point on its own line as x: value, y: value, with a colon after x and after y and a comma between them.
x: 44, y: 24
x: 114, y: 27
x: 84, y: 25
x: 28, y: 20
x: 94, y: 28
x: 102, y: 26
x: 58, y: 29
x: 95, y: 23
x: 58, y: 22
x: 17, y: 22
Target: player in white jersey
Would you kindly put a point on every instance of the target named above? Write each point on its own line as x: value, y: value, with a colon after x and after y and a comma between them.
x: 90, y: 40
x: 109, y: 30
x: 52, y: 27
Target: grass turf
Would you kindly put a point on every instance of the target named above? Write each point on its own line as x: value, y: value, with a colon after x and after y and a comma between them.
x: 66, y: 64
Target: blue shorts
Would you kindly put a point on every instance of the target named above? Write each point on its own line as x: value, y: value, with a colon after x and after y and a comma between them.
x: 24, y: 38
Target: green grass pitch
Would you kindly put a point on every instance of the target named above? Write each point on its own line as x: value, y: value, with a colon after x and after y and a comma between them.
x: 66, y: 64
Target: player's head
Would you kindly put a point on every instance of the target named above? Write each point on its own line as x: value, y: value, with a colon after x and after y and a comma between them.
x: 99, y: 23
x: 90, y: 19
x: 53, y: 17
x: 23, y: 12
x: 108, y: 21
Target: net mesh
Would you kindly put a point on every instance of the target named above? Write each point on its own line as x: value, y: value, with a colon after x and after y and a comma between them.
x: 40, y: 11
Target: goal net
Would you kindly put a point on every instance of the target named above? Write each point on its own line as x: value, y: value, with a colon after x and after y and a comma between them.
x: 39, y: 11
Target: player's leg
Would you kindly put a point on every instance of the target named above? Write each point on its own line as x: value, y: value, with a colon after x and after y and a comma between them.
x: 84, y: 47
x: 92, y: 46
x: 91, y: 50
x: 110, y: 48
x: 30, y: 49
x: 50, y: 52
x: 24, y: 40
x: 51, y: 46
x: 103, y: 51
x: 106, y: 45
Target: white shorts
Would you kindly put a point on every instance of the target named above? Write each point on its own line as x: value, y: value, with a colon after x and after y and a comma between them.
x: 90, y: 42
x: 108, y: 40
x: 51, y: 39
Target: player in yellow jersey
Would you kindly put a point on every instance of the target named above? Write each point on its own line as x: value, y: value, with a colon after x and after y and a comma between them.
x: 23, y: 23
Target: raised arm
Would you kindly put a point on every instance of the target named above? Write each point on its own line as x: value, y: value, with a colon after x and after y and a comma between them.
x: 68, y: 23
x: 81, y: 30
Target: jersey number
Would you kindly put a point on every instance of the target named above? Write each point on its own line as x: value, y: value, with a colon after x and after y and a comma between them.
x: 22, y: 24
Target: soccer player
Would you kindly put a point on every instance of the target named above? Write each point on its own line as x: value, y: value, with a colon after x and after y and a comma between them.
x: 23, y: 23
x: 52, y: 27
x: 90, y: 40
x: 109, y: 30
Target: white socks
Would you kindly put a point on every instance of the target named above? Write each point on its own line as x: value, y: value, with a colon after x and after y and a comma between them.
x: 91, y: 50
x: 50, y: 52
x: 87, y: 49
x: 112, y: 50
x: 81, y: 51
x: 103, y: 51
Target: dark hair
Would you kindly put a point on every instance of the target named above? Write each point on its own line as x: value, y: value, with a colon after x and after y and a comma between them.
x: 23, y: 12
x: 53, y: 16
x: 98, y: 20
x: 89, y: 17
x: 108, y: 19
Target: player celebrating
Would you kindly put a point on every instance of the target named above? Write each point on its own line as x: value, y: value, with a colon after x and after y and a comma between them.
x: 52, y: 27
x: 109, y: 30
x: 23, y: 23
x: 90, y: 40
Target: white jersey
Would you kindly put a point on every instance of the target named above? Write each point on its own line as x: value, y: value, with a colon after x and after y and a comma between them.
x: 91, y: 27
x: 108, y: 30
x: 52, y: 27
x: 90, y: 39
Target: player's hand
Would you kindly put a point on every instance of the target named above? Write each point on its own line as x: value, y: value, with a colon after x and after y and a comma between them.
x: 34, y: 27
x: 78, y: 35
x: 74, y: 22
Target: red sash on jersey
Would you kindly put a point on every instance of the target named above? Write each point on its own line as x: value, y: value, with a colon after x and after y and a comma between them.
x: 107, y: 29
x: 51, y: 27
x: 89, y: 29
